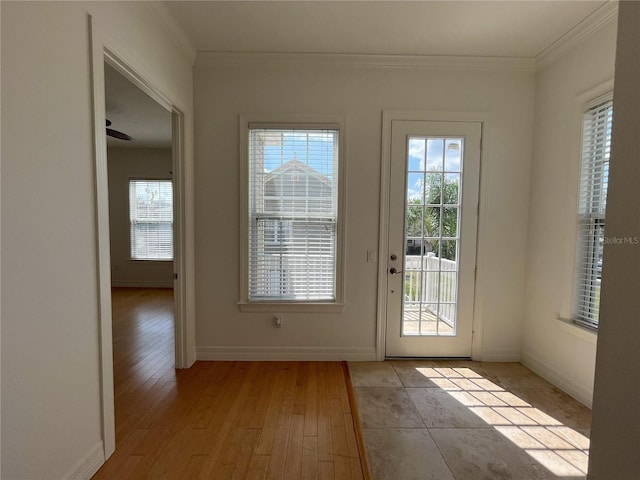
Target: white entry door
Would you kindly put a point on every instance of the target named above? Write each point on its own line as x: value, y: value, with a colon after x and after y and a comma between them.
x: 433, y: 215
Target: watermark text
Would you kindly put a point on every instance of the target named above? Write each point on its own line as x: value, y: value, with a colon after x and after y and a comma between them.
x: 621, y: 240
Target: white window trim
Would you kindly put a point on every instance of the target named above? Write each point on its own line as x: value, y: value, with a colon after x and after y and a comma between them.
x: 563, y: 309
x: 303, y: 122
x: 593, y: 101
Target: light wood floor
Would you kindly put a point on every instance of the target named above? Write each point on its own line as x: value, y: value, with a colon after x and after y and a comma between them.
x: 219, y: 420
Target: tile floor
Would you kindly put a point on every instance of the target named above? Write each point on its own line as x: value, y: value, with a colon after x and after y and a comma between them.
x: 463, y: 420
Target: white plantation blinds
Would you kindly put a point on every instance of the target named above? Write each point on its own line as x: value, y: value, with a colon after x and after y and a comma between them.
x: 151, y: 219
x: 594, y: 178
x: 293, y: 210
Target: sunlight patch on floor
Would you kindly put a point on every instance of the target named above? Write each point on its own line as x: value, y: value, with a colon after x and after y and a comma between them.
x: 560, y: 449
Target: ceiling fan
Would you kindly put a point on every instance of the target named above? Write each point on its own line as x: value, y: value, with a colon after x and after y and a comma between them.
x: 116, y: 134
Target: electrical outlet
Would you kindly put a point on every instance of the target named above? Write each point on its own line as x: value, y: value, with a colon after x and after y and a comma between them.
x: 277, y: 321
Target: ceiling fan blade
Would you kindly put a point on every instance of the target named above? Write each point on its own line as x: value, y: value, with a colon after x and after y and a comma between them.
x: 116, y: 133
x: 119, y: 135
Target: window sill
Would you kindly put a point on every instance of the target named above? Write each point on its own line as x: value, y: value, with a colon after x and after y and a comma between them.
x: 293, y: 307
x: 572, y: 328
x: 149, y: 261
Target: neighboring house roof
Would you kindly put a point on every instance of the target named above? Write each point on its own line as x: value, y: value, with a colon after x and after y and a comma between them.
x: 296, y: 166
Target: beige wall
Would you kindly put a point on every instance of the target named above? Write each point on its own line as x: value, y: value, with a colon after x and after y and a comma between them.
x: 51, y: 401
x: 559, y: 351
x: 360, y: 94
x: 126, y: 164
x: 615, y: 433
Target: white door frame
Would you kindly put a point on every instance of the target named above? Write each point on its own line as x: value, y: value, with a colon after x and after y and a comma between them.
x: 103, y: 50
x: 383, y: 241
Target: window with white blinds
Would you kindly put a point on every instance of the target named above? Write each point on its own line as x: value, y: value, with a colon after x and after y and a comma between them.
x: 592, y: 203
x: 293, y: 214
x: 151, y: 219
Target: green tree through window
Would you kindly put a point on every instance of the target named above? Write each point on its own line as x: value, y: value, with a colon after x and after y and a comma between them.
x: 441, y: 203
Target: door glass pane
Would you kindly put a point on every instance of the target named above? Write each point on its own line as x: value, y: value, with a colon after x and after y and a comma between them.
x: 449, y: 221
x: 416, y: 154
x: 451, y: 189
x: 448, y: 254
x: 415, y: 187
x: 452, y: 155
x: 432, y: 221
x: 432, y: 231
x: 435, y: 151
x: 432, y: 188
x: 414, y: 221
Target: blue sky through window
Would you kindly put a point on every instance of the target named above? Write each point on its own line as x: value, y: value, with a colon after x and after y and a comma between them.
x: 314, y: 148
x: 438, y: 154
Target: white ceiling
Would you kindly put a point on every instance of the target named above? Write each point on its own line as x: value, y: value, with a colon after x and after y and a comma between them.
x: 135, y: 113
x: 457, y: 28
x: 521, y: 29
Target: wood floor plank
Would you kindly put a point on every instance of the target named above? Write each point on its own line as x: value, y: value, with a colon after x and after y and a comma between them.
x: 245, y: 453
x: 325, y: 471
x: 335, y: 375
x: 325, y: 447
x: 258, y: 468
x: 194, y: 466
x: 311, y: 402
x: 265, y: 445
x: 299, y: 397
x: 293, y: 459
x: 281, y: 439
x: 352, y: 445
x: 224, y: 430
x: 263, y: 393
x: 309, y: 458
x: 219, y: 420
x: 342, y: 467
x: 338, y: 434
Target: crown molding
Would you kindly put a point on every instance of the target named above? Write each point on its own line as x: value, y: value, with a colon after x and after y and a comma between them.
x: 166, y: 20
x: 227, y: 59
x: 606, y: 13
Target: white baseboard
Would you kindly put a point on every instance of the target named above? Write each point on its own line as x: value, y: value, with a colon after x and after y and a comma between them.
x: 286, y: 353
x: 142, y: 284
x: 560, y: 380
x: 89, y: 465
x: 497, y: 356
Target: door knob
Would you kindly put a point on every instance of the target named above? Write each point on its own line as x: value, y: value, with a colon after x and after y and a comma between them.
x: 394, y: 271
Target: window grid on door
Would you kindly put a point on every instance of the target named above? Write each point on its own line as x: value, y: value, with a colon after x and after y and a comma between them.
x: 432, y: 227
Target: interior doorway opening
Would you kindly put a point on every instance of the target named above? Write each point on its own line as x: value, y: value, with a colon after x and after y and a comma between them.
x: 141, y: 232
x: 103, y: 57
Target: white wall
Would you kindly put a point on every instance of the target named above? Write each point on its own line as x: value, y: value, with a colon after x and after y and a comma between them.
x: 125, y: 164
x: 51, y: 412
x: 615, y: 432
x: 360, y: 94
x: 559, y: 351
